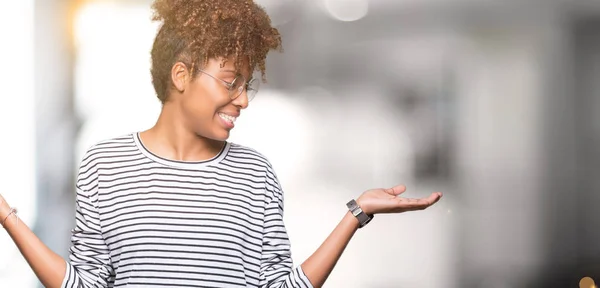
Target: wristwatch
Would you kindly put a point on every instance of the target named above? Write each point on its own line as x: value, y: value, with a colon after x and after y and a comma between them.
x: 363, y: 218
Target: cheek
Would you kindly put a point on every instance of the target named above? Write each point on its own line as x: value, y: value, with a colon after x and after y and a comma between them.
x: 202, y: 104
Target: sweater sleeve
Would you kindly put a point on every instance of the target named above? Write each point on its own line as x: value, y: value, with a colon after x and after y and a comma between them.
x: 89, y: 262
x: 276, y: 269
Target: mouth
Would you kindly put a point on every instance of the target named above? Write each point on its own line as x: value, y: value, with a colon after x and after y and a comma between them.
x: 228, y: 120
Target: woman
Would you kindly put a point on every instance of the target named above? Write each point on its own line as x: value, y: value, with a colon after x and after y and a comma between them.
x: 177, y: 205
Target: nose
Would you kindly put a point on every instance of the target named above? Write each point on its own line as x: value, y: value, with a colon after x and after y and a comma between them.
x: 242, y: 100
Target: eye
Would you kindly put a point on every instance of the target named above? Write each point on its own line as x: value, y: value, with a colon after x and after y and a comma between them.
x: 227, y: 77
x: 236, y: 84
x: 228, y: 80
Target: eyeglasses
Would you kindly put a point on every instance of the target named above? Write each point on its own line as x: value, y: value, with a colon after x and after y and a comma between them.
x: 237, y: 86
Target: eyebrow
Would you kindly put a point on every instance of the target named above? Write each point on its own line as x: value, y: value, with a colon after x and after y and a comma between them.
x: 236, y: 73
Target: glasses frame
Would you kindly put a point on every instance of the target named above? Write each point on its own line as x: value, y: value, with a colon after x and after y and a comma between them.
x: 233, y: 94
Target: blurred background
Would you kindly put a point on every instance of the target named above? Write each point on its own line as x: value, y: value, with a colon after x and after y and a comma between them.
x: 495, y: 103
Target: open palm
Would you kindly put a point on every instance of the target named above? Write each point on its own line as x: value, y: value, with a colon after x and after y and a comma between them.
x: 387, y: 200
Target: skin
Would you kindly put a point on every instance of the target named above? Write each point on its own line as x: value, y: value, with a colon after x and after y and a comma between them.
x: 189, y: 128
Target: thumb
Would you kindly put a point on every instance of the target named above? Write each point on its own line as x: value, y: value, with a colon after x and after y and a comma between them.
x: 396, y: 190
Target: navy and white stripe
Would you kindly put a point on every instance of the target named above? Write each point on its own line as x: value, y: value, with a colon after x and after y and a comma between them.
x: 146, y: 221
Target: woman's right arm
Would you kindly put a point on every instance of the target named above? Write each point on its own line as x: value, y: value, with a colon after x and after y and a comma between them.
x: 89, y: 262
x: 48, y: 266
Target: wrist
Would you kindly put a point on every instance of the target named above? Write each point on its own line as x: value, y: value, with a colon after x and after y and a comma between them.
x: 357, y: 212
x: 6, y: 213
x: 363, y: 207
x: 352, y: 220
x: 5, y: 220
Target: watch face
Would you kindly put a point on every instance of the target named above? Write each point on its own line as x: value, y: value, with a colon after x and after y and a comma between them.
x: 362, y: 217
x: 352, y: 205
x: 354, y: 208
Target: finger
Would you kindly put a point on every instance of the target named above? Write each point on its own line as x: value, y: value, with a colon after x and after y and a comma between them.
x: 396, y: 190
x: 409, y: 204
x: 437, y: 195
x: 432, y: 199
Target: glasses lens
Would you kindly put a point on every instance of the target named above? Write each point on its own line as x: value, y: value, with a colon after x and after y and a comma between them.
x: 252, y: 88
x: 237, y: 86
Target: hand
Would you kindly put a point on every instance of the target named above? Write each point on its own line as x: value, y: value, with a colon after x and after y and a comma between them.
x: 381, y: 200
x: 4, y: 207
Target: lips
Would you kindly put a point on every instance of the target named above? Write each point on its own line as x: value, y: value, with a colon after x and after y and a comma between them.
x: 228, y: 117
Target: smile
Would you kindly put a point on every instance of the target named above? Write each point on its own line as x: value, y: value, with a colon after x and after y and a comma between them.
x: 227, y: 118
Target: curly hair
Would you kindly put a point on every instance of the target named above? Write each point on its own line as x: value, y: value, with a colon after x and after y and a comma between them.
x: 194, y: 31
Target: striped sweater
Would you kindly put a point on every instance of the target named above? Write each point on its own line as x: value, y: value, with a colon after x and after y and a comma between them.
x: 147, y: 221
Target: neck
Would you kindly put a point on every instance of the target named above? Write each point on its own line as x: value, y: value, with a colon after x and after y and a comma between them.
x: 172, y: 138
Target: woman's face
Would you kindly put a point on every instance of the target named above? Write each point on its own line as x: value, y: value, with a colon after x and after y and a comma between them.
x: 205, y: 102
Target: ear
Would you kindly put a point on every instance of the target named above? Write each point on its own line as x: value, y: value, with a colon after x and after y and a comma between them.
x: 180, y: 75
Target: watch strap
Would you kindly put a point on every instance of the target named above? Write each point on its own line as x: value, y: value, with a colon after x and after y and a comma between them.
x: 363, y: 218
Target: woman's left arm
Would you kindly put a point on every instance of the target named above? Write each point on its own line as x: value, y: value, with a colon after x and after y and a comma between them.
x: 320, y: 264
x: 277, y: 270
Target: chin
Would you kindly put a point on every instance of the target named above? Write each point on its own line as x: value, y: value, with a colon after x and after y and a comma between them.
x: 221, y: 135
x: 216, y: 135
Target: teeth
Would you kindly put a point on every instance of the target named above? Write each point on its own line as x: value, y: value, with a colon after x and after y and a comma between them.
x: 227, y: 117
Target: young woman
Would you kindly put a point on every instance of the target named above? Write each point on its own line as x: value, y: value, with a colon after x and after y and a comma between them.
x: 177, y: 205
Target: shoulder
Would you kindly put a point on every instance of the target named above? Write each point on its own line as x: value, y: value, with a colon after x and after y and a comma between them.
x: 251, y: 158
x: 107, y: 148
x: 249, y: 155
